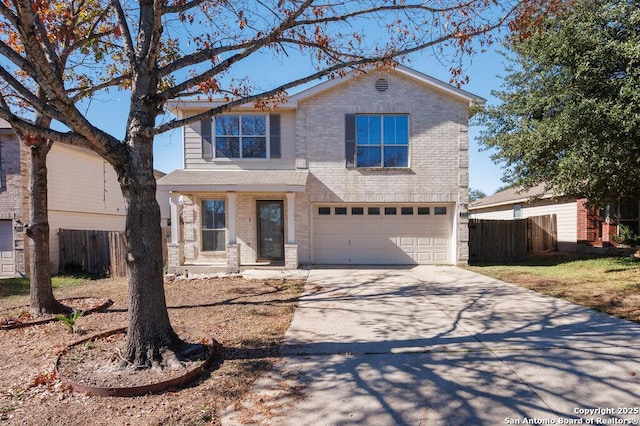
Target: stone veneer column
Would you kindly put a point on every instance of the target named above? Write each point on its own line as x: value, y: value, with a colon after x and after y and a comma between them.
x: 233, y: 257
x: 291, y: 256
x: 233, y: 249
x: 175, y: 254
x: 291, y: 248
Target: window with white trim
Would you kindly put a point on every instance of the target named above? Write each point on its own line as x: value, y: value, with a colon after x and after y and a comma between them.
x: 241, y: 136
x: 517, y: 211
x: 213, y: 225
x: 382, y: 140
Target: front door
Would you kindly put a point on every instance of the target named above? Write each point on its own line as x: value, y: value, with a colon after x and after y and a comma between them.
x: 270, y: 230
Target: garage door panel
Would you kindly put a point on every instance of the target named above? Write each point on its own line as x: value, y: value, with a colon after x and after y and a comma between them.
x: 441, y: 257
x: 407, y: 242
x: 381, y: 239
x: 424, y: 242
x: 424, y: 257
x: 440, y: 242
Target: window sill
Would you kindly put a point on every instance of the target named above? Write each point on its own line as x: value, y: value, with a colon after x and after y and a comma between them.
x: 382, y: 169
x: 234, y: 160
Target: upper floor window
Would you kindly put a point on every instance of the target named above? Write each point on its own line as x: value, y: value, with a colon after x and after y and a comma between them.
x: 241, y: 136
x: 382, y: 140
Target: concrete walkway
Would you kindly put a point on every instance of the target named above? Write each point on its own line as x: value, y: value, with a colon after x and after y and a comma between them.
x: 443, y: 346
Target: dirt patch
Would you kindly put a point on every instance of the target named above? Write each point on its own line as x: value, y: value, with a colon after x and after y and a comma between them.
x: 248, y: 318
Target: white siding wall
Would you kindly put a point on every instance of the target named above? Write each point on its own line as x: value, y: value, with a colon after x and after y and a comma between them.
x: 193, y: 150
x: 494, y: 213
x: 81, y: 181
x: 566, y: 216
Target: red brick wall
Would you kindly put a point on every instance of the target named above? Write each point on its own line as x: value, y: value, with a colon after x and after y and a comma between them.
x: 588, y: 222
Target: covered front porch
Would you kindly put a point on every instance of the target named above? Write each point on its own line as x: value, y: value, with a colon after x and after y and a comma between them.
x: 223, y: 220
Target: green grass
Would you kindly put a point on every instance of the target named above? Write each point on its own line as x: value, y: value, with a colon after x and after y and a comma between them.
x: 569, y: 267
x: 608, y: 284
x: 20, y: 286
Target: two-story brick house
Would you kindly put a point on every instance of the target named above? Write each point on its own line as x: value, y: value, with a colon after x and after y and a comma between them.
x: 367, y: 169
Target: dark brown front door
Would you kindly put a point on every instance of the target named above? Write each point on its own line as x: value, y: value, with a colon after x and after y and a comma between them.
x: 270, y: 230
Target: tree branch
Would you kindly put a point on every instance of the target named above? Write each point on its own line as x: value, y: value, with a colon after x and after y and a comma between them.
x: 129, y: 48
x: 182, y: 8
x: 271, y: 37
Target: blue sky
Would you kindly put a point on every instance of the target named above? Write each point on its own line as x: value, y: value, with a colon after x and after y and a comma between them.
x: 485, y: 72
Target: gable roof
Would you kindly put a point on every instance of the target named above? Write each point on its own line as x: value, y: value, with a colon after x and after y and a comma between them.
x: 175, y: 106
x: 424, y: 79
x: 513, y: 195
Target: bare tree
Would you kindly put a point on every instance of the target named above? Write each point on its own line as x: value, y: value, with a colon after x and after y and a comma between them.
x: 172, y: 49
x: 73, y: 27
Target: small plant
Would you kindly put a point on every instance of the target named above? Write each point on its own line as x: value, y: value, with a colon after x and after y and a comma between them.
x: 71, y: 321
x: 625, y: 236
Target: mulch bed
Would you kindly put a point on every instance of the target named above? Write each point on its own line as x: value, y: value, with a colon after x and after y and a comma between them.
x: 92, y: 365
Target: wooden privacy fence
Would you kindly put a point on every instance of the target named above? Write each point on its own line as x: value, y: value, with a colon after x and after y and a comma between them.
x: 96, y: 252
x: 511, y: 240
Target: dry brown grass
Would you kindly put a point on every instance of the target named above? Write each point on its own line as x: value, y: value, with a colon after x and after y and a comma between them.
x: 607, y: 284
x: 249, y: 318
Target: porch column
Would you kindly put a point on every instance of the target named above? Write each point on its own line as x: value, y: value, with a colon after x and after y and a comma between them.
x: 231, y: 199
x: 291, y: 230
x: 175, y: 249
x: 291, y: 248
x: 174, y: 203
x: 233, y: 248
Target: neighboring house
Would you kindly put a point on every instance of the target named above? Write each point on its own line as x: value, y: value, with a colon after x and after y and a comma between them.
x: 367, y: 169
x: 83, y: 193
x: 577, y: 223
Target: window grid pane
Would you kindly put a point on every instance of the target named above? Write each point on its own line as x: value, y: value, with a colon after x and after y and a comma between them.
x: 382, y: 141
x: 213, y: 225
x: 241, y: 136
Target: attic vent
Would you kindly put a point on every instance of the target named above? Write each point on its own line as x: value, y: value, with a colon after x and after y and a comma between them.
x: 382, y: 85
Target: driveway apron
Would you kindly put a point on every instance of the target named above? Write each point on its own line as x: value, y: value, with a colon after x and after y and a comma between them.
x: 437, y: 345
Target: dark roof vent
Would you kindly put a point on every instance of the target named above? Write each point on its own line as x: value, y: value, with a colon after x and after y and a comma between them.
x: 382, y: 85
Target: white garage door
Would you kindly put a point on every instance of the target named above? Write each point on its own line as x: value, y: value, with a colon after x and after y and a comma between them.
x: 7, y: 262
x: 384, y: 234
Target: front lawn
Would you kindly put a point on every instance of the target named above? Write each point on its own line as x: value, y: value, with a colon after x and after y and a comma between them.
x: 606, y: 284
x: 20, y: 286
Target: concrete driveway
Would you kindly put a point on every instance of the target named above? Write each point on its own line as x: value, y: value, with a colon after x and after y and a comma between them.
x: 443, y: 346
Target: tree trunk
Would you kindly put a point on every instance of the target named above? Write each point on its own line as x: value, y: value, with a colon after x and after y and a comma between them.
x: 150, y: 332
x: 42, y: 299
